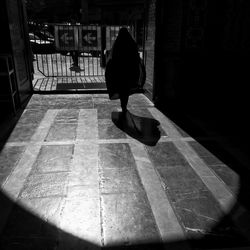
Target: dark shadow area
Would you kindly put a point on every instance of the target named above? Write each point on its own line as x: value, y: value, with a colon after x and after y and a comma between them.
x: 9, y: 120
x: 233, y: 230
x: 23, y: 230
x: 142, y: 129
x: 216, y: 143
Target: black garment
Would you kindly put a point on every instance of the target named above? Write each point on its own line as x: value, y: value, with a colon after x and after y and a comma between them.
x: 75, y: 58
x: 125, y: 72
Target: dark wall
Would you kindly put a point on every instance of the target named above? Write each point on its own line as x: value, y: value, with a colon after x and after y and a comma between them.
x: 5, y: 44
x: 203, y: 60
x: 150, y: 46
x: 16, y: 82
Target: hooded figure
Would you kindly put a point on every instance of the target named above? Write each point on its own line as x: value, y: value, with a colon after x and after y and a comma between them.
x: 125, y: 72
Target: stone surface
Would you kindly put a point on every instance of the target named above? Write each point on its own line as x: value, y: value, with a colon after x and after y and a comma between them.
x: 31, y: 116
x: 45, y: 185
x: 115, y: 155
x: 64, y: 126
x: 23, y: 132
x: 42, y: 102
x: 181, y: 180
x: 227, y: 175
x: 9, y: 157
x: 139, y: 100
x: 115, y: 180
x: 104, y: 111
x: 141, y: 111
x: 87, y: 124
x: 198, y: 211
x: 167, y: 223
x: 199, y: 149
x: 108, y: 130
x: 45, y: 208
x: 127, y: 220
x: 54, y: 158
x: 72, y: 180
x: 86, y: 177
x: 81, y: 218
x: 59, y: 132
x: 165, y: 154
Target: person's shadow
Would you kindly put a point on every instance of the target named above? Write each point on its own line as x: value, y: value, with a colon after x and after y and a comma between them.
x: 142, y: 129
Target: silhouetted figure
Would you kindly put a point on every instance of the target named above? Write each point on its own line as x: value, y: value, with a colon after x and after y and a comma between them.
x: 75, y: 53
x: 125, y: 72
x: 75, y: 56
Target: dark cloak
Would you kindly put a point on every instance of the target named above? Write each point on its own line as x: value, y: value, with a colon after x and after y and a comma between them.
x: 125, y: 73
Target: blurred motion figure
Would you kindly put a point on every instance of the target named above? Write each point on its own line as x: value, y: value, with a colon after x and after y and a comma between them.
x: 125, y: 73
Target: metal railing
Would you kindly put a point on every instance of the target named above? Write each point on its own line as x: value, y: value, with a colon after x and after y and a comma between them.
x: 71, y: 50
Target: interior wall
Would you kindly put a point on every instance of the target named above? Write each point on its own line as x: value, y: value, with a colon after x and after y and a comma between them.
x: 16, y: 44
x: 202, y: 59
x: 150, y: 32
x: 5, y: 43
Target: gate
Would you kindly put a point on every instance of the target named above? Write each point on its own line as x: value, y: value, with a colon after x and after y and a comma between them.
x: 67, y: 54
x: 62, y: 50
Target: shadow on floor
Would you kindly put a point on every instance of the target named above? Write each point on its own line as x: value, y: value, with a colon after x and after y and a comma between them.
x: 142, y: 129
x: 23, y: 230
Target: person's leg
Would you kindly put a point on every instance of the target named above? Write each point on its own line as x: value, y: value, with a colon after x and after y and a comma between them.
x: 74, y: 55
x: 124, y: 102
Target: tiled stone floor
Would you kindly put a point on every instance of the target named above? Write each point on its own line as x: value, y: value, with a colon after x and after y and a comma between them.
x: 50, y: 84
x: 76, y: 175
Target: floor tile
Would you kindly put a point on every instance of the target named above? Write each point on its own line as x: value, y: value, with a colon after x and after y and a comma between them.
x: 127, y: 219
x: 45, y: 185
x: 228, y: 176
x: 108, y: 130
x: 9, y: 156
x: 45, y: 102
x: 181, y: 180
x: 81, y: 218
x: 165, y: 154
x: 54, y: 158
x: 86, y: 177
x: 23, y: 132
x: 31, y: 116
x: 62, y: 132
x: 139, y: 100
x: 203, y: 220
x: 87, y: 124
x: 115, y: 155
x: 104, y: 111
x: 199, y: 149
x: 115, y: 180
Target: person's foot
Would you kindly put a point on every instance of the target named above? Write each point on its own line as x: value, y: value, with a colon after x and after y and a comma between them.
x: 75, y: 68
x: 123, y: 115
x: 124, y: 112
